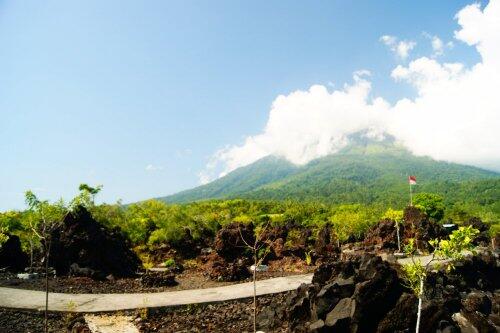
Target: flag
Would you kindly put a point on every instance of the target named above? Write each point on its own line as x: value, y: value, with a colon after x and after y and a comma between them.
x: 412, y: 180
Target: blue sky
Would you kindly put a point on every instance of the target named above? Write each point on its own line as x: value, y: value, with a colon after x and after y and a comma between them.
x: 97, y: 91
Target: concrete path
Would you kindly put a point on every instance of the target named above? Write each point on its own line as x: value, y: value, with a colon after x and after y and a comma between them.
x: 30, y: 299
x: 110, y: 324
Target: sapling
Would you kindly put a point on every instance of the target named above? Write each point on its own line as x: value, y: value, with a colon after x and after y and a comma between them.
x: 259, y: 252
x: 451, y: 250
x: 46, y: 218
x: 397, y: 217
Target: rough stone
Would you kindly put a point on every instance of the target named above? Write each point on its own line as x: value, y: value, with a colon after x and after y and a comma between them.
x: 340, y: 316
x: 11, y: 255
x: 402, y: 316
x: 477, y: 301
x: 229, y: 243
x: 83, y: 241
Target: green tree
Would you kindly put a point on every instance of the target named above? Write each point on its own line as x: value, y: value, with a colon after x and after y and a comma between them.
x: 432, y: 204
x: 451, y: 249
x: 87, y: 194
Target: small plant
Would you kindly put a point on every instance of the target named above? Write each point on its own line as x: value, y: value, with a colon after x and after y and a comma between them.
x: 397, y: 217
x: 451, y: 249
x: 190, y: 263
x: 308, y: 258
x: 170, y: 262
x: 144, y: 311
x: 147, y: 265
x: 259, y: 250
x: 71, y: 307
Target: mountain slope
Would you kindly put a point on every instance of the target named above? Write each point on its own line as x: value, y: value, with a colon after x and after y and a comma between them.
x: 242, y: 180
x: 364, y: 172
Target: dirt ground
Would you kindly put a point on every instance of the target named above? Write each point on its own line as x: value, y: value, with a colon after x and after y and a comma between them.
x: 191, y: 278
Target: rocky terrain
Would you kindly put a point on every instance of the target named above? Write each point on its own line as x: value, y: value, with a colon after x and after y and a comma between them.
x: 356, y: 287
x: 366, y: 294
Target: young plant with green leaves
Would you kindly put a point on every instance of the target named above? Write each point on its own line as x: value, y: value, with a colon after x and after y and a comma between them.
x: 43, y: 220
x: 397, y: 217
x: 448, y: 251
x: 260, y: 250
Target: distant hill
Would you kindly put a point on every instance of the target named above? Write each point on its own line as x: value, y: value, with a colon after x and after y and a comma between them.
x: 366, y: 171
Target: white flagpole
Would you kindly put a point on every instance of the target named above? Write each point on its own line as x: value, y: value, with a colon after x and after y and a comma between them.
x: 411, y: 200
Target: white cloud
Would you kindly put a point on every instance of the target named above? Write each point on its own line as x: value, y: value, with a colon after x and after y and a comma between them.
x: 437, y: 44
x: 388, y: 40
x: 151, y: 167
x: 401, y: 49
x: 404, y: 47
x: 455, y: 116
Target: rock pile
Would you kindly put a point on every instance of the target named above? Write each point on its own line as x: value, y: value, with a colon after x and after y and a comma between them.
x: 11, y: 255
x: 420, y: 228
x: 383, y: 235
x: 365, y: 294
x: 230, y: 259
x: 90, y: 248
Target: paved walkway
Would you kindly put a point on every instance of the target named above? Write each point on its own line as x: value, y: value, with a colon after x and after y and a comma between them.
x: 110, y: 324
x: 30, y: 299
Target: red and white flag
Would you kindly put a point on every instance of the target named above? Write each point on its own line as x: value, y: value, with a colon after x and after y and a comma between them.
x: 412, y: 180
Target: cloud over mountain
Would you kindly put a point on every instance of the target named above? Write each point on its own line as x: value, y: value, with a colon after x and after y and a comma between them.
x: 455, y: 115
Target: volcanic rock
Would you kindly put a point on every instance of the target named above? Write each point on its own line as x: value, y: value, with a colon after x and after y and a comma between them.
x: 420, y: 228
x: 340, y: 317
x: 229, y: 243
x: 11, y: 255
x: 158, y: 279
x: 81, y: 240
x: 383, y: 235
x: 218, y: 269
x: 402, y: 316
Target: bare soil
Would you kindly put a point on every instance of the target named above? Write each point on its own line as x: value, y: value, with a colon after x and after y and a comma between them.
x: 192, y: 278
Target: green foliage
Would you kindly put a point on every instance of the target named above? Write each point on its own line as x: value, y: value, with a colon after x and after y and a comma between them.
x: 293, y: 238
x: 370, y: 173
x: 432, y: 204
x: 394, y: 215
x: 170, y: 262
x: 453, y: 248
x: 413, y: 273
x: 42, y: 215
x: 3, y: 237
x: 352, y: 220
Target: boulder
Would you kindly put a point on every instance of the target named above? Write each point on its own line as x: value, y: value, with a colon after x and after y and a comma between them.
x: 339, y: 319
x: 375, y: 296
x: 383, y: 235
x: 298, y: 305
x: 420, y: 228
x: 331, y: 294
x: 229, y: 243
x: 12, y: 256
x: 218, y: 269
x: 83, y: 241
x: 401, y: 317
x: 477, y: 301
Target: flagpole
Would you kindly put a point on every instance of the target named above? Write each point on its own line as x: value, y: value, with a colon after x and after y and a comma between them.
x: 411, y: 200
